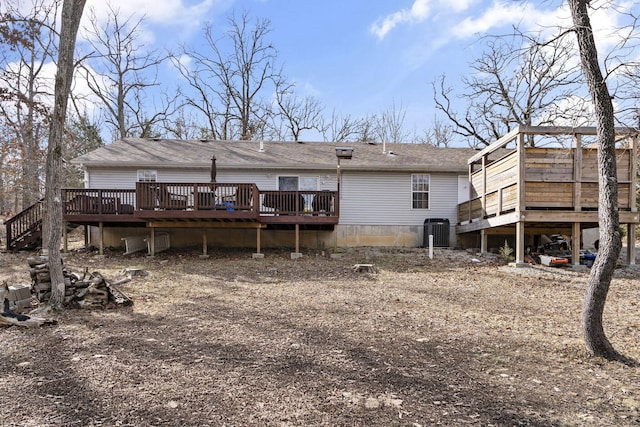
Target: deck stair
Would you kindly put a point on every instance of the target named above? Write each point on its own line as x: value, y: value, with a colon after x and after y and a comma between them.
x: 24, y: 230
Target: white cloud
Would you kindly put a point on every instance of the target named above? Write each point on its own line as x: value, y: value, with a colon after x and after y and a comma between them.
x: 503, y: 15
x: 419, y: 12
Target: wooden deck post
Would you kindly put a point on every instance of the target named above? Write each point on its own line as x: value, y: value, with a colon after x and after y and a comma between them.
x: 65, y: 236
x: 577, y: 172
x: 631, y: 244
x: 483, y: 241
x: 258, y: 230
x: 575, y: 244
x: 297, y: 238
x: 204, y: 242
x: 152, y: 242
x: 633, y: 173
x: 101, y: 231
x: 519, y: 242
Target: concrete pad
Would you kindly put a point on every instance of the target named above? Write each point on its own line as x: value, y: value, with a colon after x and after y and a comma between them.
x: 296, y: 255
x: 257, y: 256
x: 518, y: 264
x: 336, y: 256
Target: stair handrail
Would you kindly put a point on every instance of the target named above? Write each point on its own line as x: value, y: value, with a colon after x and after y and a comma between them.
x: 23, y: 222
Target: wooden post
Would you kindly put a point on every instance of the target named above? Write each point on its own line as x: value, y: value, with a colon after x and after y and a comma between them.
x: 633, y: 172
x: 258, y: 239
x: 297, y: 238
x: 204, y: 242
x: 577, y: 172
x: 483, y: 241
x: 65, y: 235
x: 470, y: 193
x: 519, y: 242
x: 101, y: 230
x: 631, y: 244
x: 575, y: 244
x: 152, y: 242
x: 522, y: 206
x: 484, y: 187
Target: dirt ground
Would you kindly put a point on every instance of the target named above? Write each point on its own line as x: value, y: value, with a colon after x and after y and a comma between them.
x: 233, y: 341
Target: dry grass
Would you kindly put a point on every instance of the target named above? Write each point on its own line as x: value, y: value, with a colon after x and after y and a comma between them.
x: 235, y: 341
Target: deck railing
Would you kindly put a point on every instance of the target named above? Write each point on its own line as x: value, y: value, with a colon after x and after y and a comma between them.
x: 24, y: 223
x: 544, y: 178
x: 77, y: 201
x: 187, y: 197
x: 181, y: 196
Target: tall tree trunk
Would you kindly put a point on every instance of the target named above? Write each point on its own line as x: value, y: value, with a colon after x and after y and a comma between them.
x: 610, y: 240
x: 52, y: 221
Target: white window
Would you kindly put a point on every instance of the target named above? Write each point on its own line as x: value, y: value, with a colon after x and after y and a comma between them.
x: 147, y: 175
x: 420, y: 191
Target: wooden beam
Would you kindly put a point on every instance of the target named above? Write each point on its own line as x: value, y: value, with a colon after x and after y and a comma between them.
x: 495, y: 146
x: 572, y: 216
x: 179, y: 224
x: 509, y: 218
x: 568, y: 130
x: 297, y: 238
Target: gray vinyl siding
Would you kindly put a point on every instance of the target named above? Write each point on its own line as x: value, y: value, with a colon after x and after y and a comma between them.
x: 125, y: 178
x: 385, y: 199
x: 112, y: 178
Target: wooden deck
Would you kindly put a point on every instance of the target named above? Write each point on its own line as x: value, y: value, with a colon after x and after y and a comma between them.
x: 199, y: 205
x: 542, y: 187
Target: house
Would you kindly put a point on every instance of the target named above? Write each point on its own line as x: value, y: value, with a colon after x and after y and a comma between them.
x: 532, y: 182
x: 291, y: 193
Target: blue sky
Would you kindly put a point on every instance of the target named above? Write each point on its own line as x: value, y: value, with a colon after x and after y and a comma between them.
x: 361, y: 56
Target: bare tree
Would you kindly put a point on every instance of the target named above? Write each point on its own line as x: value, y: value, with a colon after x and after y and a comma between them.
x: 121, y: 73
x: 207, y: 96
x: 439, y: 135
x: 231, y: 81
x: 25, y: 87
x: 52, y: 218
x: 339, y: 128
x: 516, y: 81
x: 298, y: 114
x: 389, y: 125
x: 608, y: 218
